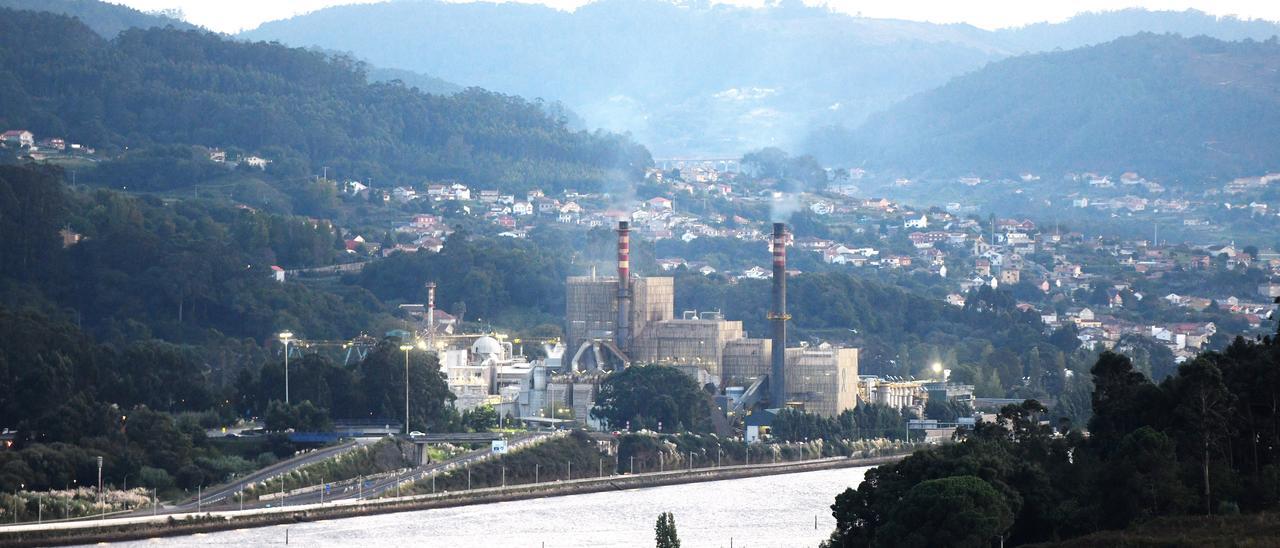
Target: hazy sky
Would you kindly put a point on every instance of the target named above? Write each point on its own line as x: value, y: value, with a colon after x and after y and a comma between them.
x: 235, y: 15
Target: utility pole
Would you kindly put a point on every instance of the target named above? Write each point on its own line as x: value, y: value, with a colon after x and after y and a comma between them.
x: 406, y: 348
x: 285, y: 336
x: 100, y: 499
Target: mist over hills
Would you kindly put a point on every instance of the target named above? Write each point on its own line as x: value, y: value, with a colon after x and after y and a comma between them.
x: 1177, y: 108
x: 702, y: 79
x: 104, y: 18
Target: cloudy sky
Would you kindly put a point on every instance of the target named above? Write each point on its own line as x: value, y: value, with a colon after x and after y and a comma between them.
x: 235, y: 15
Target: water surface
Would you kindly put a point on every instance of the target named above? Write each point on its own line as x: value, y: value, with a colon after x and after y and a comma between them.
x: 771, y: 511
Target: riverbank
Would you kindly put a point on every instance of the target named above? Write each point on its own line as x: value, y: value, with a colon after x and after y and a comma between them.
x: 136, y: 528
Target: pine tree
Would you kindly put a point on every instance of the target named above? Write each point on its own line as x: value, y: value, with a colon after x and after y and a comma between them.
x: 665, y: 531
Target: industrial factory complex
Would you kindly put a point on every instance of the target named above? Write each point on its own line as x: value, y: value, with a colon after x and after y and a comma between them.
x: 614, y: 322
x: 626, y: 320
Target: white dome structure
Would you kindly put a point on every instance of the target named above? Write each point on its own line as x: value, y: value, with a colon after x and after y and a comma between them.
x: 486, y: 347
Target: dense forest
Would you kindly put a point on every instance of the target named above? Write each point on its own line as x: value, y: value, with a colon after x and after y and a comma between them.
x: 301, y: 110
x: 1204, y: 441
x: 1179, y: 109
x: 159, y: 315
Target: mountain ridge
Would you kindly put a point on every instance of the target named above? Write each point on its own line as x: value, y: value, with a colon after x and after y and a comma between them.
x: 701, y: 79
x: 1162, y: 105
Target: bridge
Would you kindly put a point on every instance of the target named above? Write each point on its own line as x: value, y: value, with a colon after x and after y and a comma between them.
x: 728, y: 165
x: 421, y: 441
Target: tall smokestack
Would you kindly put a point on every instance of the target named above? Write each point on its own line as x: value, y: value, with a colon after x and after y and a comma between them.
x: 778, y: 317
x: 624, y: 286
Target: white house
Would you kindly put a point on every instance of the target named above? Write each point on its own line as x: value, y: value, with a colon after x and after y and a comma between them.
x: 256, y: 161
x: 922, y: 222
x: 19, y: 137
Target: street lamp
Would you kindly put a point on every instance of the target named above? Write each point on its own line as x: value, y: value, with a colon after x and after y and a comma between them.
x: 406, y: 348
x: 284, y: 337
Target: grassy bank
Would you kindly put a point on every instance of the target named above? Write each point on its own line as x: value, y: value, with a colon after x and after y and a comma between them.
x: 384, y: 456
x: 651, y: 452
x: 554, y: 459
x: 1240, y: 530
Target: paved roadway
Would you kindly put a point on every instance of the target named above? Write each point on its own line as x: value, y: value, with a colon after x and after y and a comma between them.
x: 226, y: 492
x: 377, y: 487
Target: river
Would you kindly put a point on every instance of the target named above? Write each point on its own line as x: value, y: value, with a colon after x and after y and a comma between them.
x: 761, y: 512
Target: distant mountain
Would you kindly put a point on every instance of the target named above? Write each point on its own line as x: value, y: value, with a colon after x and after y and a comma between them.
x: 149, y: 90
x: 1097, y: 27
x: 699, y: 78
x: 1162, y: 105
x: 424, y: 83
x: 104, y: 18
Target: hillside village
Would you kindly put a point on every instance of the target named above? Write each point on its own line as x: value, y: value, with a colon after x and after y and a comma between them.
x: 1105, y: 288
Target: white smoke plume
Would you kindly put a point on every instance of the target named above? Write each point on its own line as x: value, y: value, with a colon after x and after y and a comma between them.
x: 783, y: 206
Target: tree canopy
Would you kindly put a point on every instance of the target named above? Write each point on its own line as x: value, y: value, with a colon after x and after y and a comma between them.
x: 656, y: 397
x: 1205, y: 440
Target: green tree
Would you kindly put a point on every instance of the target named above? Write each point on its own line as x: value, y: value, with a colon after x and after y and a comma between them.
x: 955, y: 511
x: 665, y: 531
x: 652, y: 394
x: 1143, y: 480
x: 480, y: 419
x: 1204, y: 415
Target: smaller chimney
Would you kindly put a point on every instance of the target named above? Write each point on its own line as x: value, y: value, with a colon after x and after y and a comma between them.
x: 624, y: 286
x: 624, y: 250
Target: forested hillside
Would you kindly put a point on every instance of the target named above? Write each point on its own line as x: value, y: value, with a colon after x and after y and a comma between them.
x: 1181, y: 109
x: 299, y: 109
x: 129, y: 324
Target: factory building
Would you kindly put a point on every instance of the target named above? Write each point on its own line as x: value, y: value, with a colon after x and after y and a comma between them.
x: 636, y: 317
x: 487, y: 372
x: 823, y: 379
x: 745, y: 361
x: 591, y: 307
x: 694, y: 339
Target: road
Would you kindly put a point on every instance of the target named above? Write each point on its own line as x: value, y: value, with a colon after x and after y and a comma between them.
x: 374, y: 488
x: 226, y: 492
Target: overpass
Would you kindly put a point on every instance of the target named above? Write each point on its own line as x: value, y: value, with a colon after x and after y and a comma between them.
x: 733, y: 165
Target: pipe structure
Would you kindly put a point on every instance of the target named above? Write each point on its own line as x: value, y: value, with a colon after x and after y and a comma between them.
x: 431, y: 315
x: 778, y: 317
x: 624, y: 287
